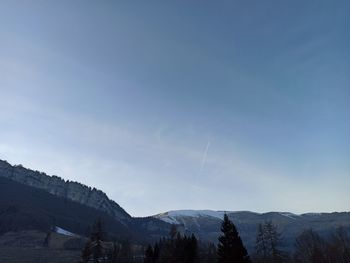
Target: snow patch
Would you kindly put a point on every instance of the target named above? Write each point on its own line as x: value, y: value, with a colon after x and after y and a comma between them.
x: 197, y: 213
x: 63, y: 231
x: 312, y: 214
x: 289, y: 215
x: 174, y: 217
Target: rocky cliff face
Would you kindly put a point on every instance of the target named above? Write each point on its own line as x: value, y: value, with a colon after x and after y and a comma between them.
x: 71, y: 190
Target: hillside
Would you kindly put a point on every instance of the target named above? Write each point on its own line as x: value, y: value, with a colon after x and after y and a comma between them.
x: 23, y: 207
x: 73, y: 191
x: 31, y: 200
x: 206, y: 223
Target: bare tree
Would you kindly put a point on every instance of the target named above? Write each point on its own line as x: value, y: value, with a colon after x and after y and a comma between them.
x: 339, y: 247
x: 310, y: 248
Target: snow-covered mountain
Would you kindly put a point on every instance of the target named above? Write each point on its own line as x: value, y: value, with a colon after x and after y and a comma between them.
x: 177, y: 216
x: 181, y: 217
x: 206, y: 223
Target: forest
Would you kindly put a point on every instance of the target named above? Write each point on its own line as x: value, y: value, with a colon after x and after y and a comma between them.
x: 309, y: 247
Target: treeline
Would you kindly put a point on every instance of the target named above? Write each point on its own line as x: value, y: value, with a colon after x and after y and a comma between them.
x: 176, y: 248
x: 179, y: 248
x: 310, y: 247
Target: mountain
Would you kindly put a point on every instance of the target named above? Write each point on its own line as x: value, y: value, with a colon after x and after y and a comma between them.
x: 206, y: 223
x: 23, y: 207
x: 33, y: 200
x: 73, y: 191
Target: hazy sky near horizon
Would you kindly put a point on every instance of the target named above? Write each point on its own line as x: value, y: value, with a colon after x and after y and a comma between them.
x: 225, y: 105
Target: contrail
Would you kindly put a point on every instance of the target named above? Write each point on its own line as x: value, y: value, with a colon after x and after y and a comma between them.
x: 204, y: 156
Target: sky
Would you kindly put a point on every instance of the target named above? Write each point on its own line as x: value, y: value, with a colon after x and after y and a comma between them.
x: 163, y: 105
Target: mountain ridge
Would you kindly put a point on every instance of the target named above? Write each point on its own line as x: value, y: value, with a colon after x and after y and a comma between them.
x: 73, y: 191
x: 172, y: 214
x: 205, y: 224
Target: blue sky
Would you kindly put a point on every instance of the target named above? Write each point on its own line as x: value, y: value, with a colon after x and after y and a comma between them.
x: 237, y: 105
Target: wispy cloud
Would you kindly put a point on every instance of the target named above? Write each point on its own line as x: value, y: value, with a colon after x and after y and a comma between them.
x: 204, y: 159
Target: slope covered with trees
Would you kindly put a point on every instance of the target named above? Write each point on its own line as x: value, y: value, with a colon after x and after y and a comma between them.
x: 23, y: 207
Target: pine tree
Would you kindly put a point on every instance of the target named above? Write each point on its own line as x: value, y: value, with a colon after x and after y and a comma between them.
x: 230, y: 247
x: 93, y: 249
x: 86, y: 253
x: 126, y: 252
x: 267, y: 243
x: 261, y: 254
x: 96, y: 239
x: 114, y: 254
x: 273, y: 238
x: 211, y: 255
x: 156, y: 252
x: 149, y: 255
x: 173, y: 232
x: 175, y: 249
x: 191, y: 250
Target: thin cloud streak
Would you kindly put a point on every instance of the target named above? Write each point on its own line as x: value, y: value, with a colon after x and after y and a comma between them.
x: 204, y: 159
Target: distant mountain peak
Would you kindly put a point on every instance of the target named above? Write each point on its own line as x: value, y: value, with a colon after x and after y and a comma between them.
x: 172, y: 215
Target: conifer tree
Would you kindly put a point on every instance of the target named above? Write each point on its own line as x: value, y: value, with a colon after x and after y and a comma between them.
x: 267, y: 243
x: 273, y: 238
x: 210, y: 254
x: 149, y: 255
x: 175, y: 249
x: 230, y: 247
x: 125, y: 254
x: 156, y: 252
x: 86, y: 253
x: 114, y: 254
x: 191, y: 250
x: 260, y: 245
x: 93, y: 249
x: 96, y: 239
x: 173, y: 232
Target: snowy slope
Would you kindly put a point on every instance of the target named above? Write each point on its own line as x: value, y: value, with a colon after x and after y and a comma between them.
x: 205, y: 224
x: 63, y: 231
x: 289, y: 215
x: 176, y: 216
